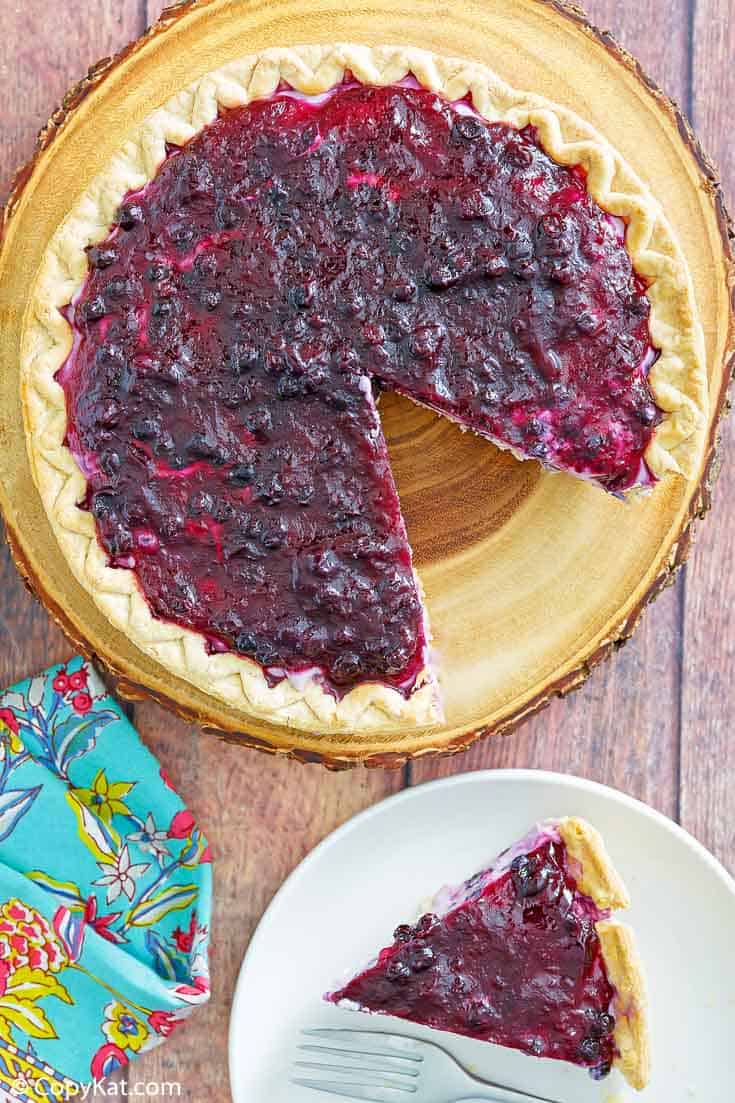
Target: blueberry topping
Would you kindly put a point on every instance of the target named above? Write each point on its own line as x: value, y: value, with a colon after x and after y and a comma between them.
x: 494, y: 969
x: 421, y: 958
x: 157, y: 273
x: 144, y: 428
x: 426, y: 925
x: 479, y: 1014
x: 398, y: 971
x: 104, y: 504
x: 94, y: 309
x: 242, y: 474
x: 601, y: 1071
x: 243, y: 358
x: 602, y: 1023
x: 403, y: 933
x: 101, y: 256
x: 589, y: 1048
x: 468, y: 128
x: 130, y: 216
x: 246, y: 643
x: 280, y: 269
x: 346, y: 668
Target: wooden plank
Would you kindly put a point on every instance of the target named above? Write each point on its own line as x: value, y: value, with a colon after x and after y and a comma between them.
x: 44, y: 51
x: 708, y: 691
x: 623, y: 727
x: 29, y: 640
x: 153, y: 9
x: 40, y: 58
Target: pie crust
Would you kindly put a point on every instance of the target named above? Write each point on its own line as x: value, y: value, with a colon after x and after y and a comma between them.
x: 678, y: 379
x: 597, y: 878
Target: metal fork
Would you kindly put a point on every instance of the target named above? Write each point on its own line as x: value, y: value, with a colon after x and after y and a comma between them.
x: 391, y: 1068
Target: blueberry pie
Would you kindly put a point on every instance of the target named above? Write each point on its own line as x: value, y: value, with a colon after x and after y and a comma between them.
x: 215, y: 320
x: 525, y: 954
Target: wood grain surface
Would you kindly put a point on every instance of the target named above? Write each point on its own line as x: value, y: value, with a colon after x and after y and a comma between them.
x: 655, y: 721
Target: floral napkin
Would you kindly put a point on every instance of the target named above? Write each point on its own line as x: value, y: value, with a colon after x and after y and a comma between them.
x: 105, y: 890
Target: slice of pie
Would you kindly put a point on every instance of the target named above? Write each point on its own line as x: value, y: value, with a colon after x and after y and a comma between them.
x: 524, y: 954
x: 275, y: 246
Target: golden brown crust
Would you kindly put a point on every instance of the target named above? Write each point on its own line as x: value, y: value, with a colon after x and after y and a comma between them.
x: 597, y: 878
x: 594, y: 872
x: 678, y: 379
x: 626, y: 976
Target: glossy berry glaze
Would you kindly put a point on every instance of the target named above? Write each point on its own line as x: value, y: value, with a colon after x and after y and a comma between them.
x: 512, y: 958
x: 290, y: 258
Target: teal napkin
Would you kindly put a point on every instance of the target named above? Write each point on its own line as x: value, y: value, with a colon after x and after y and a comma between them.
x: 105, y: 890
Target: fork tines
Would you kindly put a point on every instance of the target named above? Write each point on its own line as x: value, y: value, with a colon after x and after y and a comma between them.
x: 365, y: 1065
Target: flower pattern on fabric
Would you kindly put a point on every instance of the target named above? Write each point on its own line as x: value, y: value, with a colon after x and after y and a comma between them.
x: 9, y: 729
x: 104, y: 799
x: 151, y: 840
x: 163, y: 1022
x: 123, y: 1028
x: 105, y: 887
x: 27, y: 939
x: 122, y: 876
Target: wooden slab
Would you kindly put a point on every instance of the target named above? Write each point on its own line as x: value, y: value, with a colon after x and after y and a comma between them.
x: 530, y: 578
x: 39, y: 62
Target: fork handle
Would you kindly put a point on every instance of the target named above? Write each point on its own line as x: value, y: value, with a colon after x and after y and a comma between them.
x: 490, y: 1094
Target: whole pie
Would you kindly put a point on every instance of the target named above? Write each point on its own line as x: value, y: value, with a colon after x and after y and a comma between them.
x: 524, y: 954
x: 215, y: 320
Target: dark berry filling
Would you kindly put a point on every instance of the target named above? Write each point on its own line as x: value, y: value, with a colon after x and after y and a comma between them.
x: 514, y: 960
x: 228, y: 337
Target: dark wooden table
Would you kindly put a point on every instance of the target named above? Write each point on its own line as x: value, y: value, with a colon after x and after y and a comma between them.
x: 655, y: 721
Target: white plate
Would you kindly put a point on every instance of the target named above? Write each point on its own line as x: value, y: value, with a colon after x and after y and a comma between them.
x: 343, y: 902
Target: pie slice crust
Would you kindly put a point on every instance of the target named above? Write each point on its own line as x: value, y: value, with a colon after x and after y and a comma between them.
x: 602, y: 883
x: 677, y: 379
x: 602, y: 893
